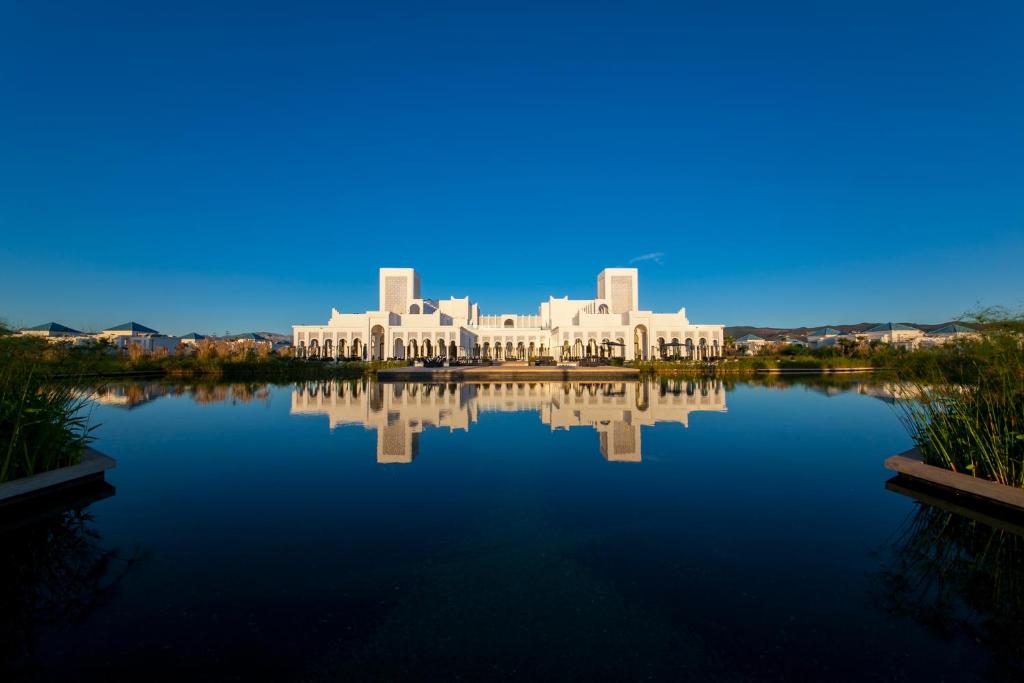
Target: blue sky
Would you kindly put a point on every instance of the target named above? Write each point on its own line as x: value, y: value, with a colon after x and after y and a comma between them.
x: 218, y: 166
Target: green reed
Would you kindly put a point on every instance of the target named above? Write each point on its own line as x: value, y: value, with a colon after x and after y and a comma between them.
x: 968, y: 411
x: 42, y: 426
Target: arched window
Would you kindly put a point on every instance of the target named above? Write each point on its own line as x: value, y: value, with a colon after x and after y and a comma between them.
x: 509, y: 322
x: 415, y: 308
x: 603, y: 308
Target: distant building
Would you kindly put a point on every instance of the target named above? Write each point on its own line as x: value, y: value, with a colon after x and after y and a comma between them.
x: 192, y: 338
x: 819, y: 338
x: 249, y: 338
x: 896, y: 334
x: 789, y: 340
x: 133, y: 334
x: 50, y: 330
x: 751, y: 344
x: 55, y: 333
x: 949, y: 334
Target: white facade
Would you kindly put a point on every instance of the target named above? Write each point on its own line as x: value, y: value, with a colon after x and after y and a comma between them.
x: 406, y: 325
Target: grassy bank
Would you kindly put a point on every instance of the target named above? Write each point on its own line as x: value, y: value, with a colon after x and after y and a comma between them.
x: 750, y: 365
x: 970, y: 415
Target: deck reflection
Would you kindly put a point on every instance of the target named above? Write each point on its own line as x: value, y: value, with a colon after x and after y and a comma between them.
x: 400, y: 411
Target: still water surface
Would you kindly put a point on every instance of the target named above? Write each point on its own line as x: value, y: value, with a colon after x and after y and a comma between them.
x: 353, y: 530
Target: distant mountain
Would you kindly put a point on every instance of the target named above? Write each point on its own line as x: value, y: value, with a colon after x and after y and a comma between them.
x: 276, y: 336
x: 737, y: 331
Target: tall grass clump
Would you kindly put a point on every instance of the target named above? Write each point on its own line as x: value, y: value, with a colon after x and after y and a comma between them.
x: 42, y: 426
x: 968, y: 412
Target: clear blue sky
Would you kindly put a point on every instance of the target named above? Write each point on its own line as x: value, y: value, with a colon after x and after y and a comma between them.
x: 219, y: 166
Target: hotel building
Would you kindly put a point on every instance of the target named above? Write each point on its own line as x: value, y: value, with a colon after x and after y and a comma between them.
x: 408, y: 326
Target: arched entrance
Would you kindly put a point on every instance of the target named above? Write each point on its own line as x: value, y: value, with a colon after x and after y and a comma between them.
x: 399, y: 349
x: 640, y: 342
x: 376, y: 342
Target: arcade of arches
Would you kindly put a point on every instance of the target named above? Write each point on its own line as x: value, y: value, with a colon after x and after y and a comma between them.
x: 409, y: 326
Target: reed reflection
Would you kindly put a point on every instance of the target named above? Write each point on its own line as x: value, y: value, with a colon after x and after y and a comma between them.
x: 960, y: 571
x: 400, y: 411
x: 54, y: 569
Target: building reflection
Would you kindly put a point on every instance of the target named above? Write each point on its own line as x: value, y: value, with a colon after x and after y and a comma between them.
x: 399, y: 412
x: 131, y: 395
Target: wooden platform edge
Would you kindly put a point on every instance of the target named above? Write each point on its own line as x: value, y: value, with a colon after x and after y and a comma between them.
x: 93, y: 465
x: 910, y: 464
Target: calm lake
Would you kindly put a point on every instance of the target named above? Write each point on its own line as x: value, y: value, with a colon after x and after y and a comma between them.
x: 609, y: 531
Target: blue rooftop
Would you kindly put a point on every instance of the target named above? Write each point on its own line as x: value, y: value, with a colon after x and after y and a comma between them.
x: 890, y: 327
x: 250, y: 336
x: 955, y: 328
x: 194, y: 336
x: 749, y: 337
x: 826, y: 332
x: 133, y: 327
x: 52, y: 328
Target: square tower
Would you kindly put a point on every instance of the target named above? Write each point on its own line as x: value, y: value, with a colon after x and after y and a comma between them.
x: 398, y: 288
x: 620, y: 288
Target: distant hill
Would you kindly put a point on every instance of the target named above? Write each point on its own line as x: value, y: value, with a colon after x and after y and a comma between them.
x: 276, y: 336
x: 737, y: 331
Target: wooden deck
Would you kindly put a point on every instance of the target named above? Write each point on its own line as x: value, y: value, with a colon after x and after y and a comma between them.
x: 910, y: 464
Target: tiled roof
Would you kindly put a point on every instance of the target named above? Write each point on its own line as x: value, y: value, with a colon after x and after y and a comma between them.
x: 955, y: 328
x: 250, y: 336
x: 826, y: 332
x: 194, y: 335
x: 132, y: 327
x: 53, y: 328
x: 749, y: 337
x: 890, y: 327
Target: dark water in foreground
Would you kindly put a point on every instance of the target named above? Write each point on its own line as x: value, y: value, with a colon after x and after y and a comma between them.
x: 609, y: 531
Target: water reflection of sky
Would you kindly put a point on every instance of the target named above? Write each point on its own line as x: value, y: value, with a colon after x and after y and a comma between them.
x: 757, y: 542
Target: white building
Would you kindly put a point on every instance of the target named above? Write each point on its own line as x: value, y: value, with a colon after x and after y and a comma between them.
x: 406, y: 325
x: 950, y: 334
x: 895, y: 334
x: 133, y: 334
x: 751, y: 344
x: 823, y: 337
x: 55, y: 333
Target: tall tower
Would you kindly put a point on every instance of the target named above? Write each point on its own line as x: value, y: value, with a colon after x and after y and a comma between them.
x: 398, y: 288
x: 620, y: 287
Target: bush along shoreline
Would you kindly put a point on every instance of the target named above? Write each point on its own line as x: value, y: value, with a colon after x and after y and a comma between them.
x: 216, y: 360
